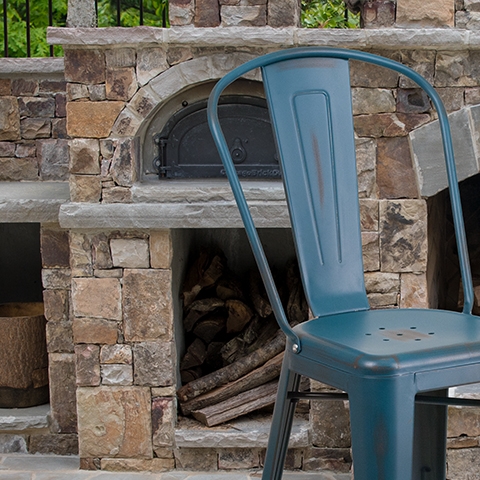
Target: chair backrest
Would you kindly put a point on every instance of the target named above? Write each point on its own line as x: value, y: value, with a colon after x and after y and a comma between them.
x: 309, y: 99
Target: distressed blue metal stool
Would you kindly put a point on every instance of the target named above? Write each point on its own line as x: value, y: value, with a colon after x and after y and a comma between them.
x: 396, y: 389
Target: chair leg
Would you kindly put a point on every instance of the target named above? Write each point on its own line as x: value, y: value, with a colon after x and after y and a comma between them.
x: 382, y: 425
x: 281, y: 425
x: 430, y: 444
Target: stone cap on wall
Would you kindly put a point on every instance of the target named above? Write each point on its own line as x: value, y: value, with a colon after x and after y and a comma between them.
x: 385, y: 38
x: 35, y: 202
x: 32, y: 66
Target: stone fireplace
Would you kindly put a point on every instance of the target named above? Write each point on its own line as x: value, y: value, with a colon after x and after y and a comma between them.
x: 116, y: 239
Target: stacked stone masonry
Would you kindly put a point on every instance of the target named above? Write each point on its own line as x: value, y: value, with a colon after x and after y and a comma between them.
x: 109, y: 296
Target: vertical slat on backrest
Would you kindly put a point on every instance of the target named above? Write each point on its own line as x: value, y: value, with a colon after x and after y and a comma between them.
x: 310, y: 104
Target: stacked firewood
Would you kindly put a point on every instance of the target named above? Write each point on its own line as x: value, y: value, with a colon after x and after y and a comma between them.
x: 234, y: 346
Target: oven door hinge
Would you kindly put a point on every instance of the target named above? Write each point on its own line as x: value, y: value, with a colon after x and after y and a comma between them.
x: 160, y: 161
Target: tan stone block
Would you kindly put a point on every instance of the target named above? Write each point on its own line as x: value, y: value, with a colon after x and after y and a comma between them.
x: 138, y: 465
x: 366, y: 152
x: 84, y: 156
x: 330, y: 424
x: 63, y: 412
x: 120, y: 57
x: 80, y: 254
x: 163, y: 391
x: 413, y: 290
x: 116, y: 374
x: 163, y: 422
x: 92, y: 119
x: 121, y: 83
x: 161, y: 249
x: 369, y: 214
x: 338, y: 460
x: 85, y: 188
x: 18, y: 169
x: 388, y: 124
x: 204, y: 459
x: 84, y: 66
x: 9, y: 119
x: 395, y: 175
x: 94, y: 330
x: 427, y: 13
x: 154, y: 363
x: 151, y: 62
x: 130, y: 252
x: 114, y: 422
x: 56, y: 278
x: 59, y: 337
x: 403, y: 236
x: 371, y: 251
x: 87, y: 365
x: 76, y: 91
x: 116, y: 195
x: 147, y: 305
x: 463, y: 421
x: 370, y: 101
x: 116, y: 354
x: 380, y: 282
x: 55, y: 304
x: 97, y: 298
x: 101, y: 256
x: 5, y: 86
x: 463, y: 464
x: 238, y: 458
x: 124, y: 169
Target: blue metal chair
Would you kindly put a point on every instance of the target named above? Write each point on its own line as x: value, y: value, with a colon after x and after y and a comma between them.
x: 396, y: 388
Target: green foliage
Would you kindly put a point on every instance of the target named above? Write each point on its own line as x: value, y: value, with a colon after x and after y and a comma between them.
x: 154, y: 13
x: 327, y: 14
x: 16, y: 22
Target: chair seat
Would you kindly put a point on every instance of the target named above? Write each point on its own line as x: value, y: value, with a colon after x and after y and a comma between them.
x: 386, y: 342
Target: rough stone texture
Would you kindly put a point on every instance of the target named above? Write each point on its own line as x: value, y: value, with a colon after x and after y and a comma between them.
x: 403, y: 236
x: 207, y: 13
x: 55, y: 304
x: 12, y: 443
x: 161, y: 250
x: 371, y: 251
x: 366, y: 152
x: 85, y: 188
x: 151, y: 62
x: 412, y: 100
x: 76, y: 91
x: 428, y: 13
x: 59, y: 337
x: 31, y: 128
x: 462, y: 464
x: 36, y: 107
x: 56, y: 278
x: 124, y: 168
x: 84, y: 156
x: 378, y: 14
x: 81, y: 13
x: 395, y: 175
x: 154, y: 363
x: 388, y: 124
x: 47, y: 443
x: 80, y: 255
x: 463, y: 421
x: 62, y: 393
x: 414, y: 292
x: 97, y: 298
x: 17, y: 169
x: 370, y: 76
x: 9, y: 119
x: 95, y: 330
x: 54, y: 244
x: 92, y: 119
x: 283, y: 13
x: 138, y: 465
x: 101, y: 256
x: 181, y: 12
x: 116, y: 195
x: 114, y: 422
x: 7, y: 149
x: 147, y: 305
x: 120, y: 57
x: 379, y: 282
x: 130, y: 252
x: 87, y: 365
x: 53, y: 159
x: 338, y: 460
x: 116, y: 354
x: 249, y: 15
x: 144, y: 102
x: 370, y: 101
x: 120, y: 83
x: 238, y: 458
x: 196, y: 459
x: 114, y: 374
x: 457, y: 69
x: 163, y: 422
x: 369, y: 214
x: 84, y: 66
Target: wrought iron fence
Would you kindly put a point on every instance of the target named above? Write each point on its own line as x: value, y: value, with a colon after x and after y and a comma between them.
x: 25, y: 21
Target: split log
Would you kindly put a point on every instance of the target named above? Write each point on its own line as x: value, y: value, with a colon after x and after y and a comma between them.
x: 264, y: 374
x: 239, y: 314
x: 297, y: 308
x: 191, y: 374
x: 198, y: 309
x: 194, y: 356
x: 241, y: 404
x: 258, y: 295
x: 229, y: 287
x: 208, y: 328
x: 233, y: 371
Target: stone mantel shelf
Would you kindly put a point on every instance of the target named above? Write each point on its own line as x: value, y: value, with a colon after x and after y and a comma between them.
x: 36, y: 202
x: 385, y: 38
x: 181, y: 204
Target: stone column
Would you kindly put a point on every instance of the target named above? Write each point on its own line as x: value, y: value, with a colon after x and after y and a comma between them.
x: 81, y: 13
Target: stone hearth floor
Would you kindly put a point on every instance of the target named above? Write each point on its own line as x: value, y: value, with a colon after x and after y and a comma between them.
x: 51, y: 467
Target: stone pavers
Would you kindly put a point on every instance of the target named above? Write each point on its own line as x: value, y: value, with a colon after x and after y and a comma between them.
x: 53, y: 467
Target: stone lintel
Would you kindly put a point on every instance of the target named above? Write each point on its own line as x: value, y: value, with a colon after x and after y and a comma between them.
x: 384, y: 38
x: 26, y: 202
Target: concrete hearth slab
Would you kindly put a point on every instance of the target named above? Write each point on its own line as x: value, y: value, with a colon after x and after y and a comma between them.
x: 20, y: 419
